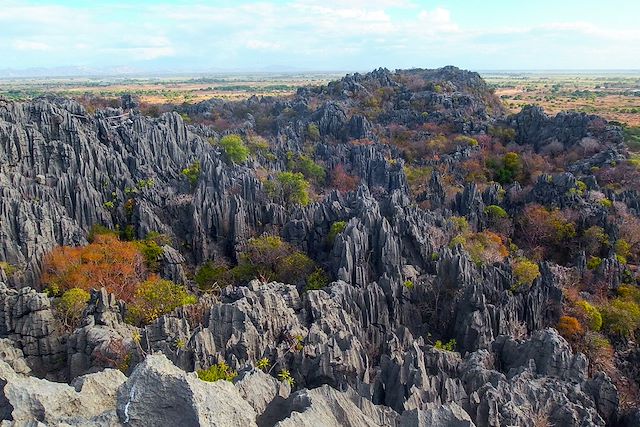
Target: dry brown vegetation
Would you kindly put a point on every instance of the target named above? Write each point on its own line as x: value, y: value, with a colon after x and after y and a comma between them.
x: 160, y: 90
x: 615, y: 96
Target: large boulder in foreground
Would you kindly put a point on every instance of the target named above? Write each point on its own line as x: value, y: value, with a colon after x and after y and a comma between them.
x: 28, y: 400
x: 326, y: 406
x: 160, y: 394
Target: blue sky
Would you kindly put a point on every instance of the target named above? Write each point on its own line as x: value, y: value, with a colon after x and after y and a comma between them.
x: 338, y: 35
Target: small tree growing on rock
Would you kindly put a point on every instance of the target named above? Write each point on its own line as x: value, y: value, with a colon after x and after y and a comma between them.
x: 234, y: 148
x: 525, y: 272
x: 71, y: 305
x: 290, y: 187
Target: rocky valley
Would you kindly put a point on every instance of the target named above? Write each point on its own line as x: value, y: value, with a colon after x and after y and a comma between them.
x: 389, y: 249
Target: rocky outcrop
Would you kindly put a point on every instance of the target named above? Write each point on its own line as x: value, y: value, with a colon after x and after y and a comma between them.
x: 104, y: 340
x: 329, y: 407
x: 29, y: 400
x: 192, y: 402
x: 27, y: 319
x: 534, y: 127
x: 361, y: 350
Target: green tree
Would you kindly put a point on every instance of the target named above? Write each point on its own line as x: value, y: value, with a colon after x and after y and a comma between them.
x: 592, y: 314
x: 291, y: 187
x: 495, y: 211
x: 525, y: 272
x: 234, y: 148
x: 271, y: 258
x: 151, y: 251
x: 509, y: 169
x: 156, y: 297
x: 621, y: 316
x: 71, y: 305
x: 307, y: 167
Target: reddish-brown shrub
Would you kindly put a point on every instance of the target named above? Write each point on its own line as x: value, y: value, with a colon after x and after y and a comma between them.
x: 107, y: 262
x: 542, y: 230
x: 342, y: 181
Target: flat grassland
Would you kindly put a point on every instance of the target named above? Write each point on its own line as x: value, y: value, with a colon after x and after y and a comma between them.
x: 613, y: 95
x: 162, y: 90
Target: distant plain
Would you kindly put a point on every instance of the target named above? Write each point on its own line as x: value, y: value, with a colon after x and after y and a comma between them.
x: 613, y: 95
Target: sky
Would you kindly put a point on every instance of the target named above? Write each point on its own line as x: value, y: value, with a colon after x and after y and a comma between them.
x: 327, y: 35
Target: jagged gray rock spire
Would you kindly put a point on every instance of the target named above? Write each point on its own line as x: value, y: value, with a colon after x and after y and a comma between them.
x: 361, y: 350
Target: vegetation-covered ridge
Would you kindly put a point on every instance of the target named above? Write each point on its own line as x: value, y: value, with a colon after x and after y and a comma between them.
x: 391, y: 219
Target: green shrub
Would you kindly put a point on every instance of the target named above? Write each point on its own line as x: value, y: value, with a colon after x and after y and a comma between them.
x: 295, y: 268
x: 623, y: 248
x: 128, y: 233
x: 192, y: 173
x: 285, y: 376
x: 621, y: 317
x: 219, y: 371
x: 509, y: 169
x: 592, y: 314
x: 210, y: 274
x: 71, y: 305
x: 307, y: 167
x: 317, y: 280
x: 466, y: 140
x: 525, y: 272
x: 145, y: 183
x: 629, y: 293
x: 495, y: 211
x: 271, y: 258
x: 594, y: 263
x: 594, y: 239
x: 234, y: 148
x: 483, y: 247
x: 258, y: 144
x: 313, y: 131
x: 417, y: 176
x: 151, y: 252
x: 503, y: 133
x: 449, y: 346
x: 263, y: 364
x: 244, y: 272
x: 336, y: 228
x: 460, y: 223
x: 291, y: 187
x: 156, y: 297
x: 9, y: 269
x: 606, y: 203
x: 579, y: 189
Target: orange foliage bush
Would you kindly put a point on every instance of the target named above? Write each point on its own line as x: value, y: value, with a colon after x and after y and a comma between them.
x: 107, y: 262
x: 569, y: 327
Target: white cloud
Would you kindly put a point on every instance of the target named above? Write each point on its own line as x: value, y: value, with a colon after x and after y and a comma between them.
x: 30, y: 45
x: 437, y: 21
x: 357, y: 32
x: 262, y: 45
